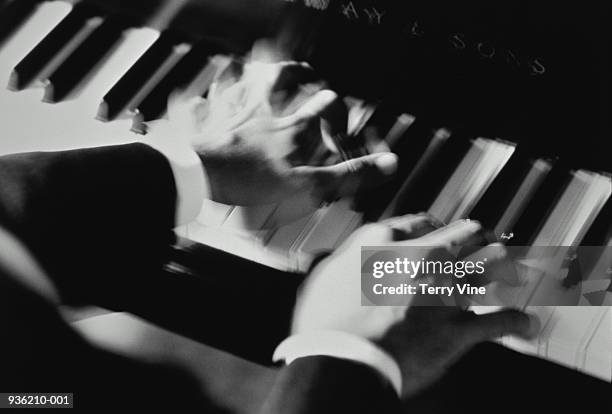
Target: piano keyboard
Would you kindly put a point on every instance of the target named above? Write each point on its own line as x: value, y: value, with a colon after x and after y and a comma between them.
x: 76, y: 77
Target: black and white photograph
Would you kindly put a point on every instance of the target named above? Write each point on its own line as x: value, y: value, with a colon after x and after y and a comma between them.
x: 306, y: 206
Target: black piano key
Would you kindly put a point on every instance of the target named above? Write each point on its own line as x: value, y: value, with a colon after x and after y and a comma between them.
x: 422, y: 163
x: 151, y: 13
x: 541, y: 205
x: 48, y: 48
x: 118, y: 97
x: 408, y: 148
x: 154, y: 105
x: 430, y: 180
x: 83, y: 60
x: 13, y: 14
x: 601, y: 230
x: 382, y: 119
x: 491, y: 207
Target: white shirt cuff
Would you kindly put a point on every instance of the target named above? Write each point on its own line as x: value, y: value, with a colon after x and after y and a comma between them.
x: 190, y: 178
x: 340, y: 345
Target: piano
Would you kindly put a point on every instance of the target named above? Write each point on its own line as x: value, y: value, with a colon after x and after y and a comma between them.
x: 498, y: 112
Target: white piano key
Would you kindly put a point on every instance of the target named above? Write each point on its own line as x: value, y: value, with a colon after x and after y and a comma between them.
x: 528, y: 187
x: 41, y: 22
x: 463, y: 189
x: 251, y: 219
x: 587, y: 343
x: 62, y: 126
x: 576, y: 209
x: 240, y: 246
x: 577, y: 337
x: 565, y: 227
x: 71, y: 124
x: 491, y: 164
x: 554, y: 227
x: 475, y: 173
x: 213, y: 214
x: 440, y: 205
x: 601, y: 270
x: 335, y: 222
x: 286, y: 238
x: 572, y: 330
x: 599, y: 192
x: 598, y: 351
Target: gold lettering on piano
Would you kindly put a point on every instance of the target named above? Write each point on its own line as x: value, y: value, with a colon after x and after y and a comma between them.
x: 537, y: 67
x: 374, y: 16
x: 416, y: 29
x: 349, y: 11
x: 511, y: 59
x: 485, y: 50
x: 457, y: 41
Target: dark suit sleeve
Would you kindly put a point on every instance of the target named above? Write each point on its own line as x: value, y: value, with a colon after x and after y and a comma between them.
x: 322, y: 385
x: 90, y: 216
x: 100, y: 221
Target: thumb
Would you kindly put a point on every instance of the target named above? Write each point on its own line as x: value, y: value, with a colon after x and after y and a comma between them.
x: 480, y: 328
x: 311, y: 109
x: 346, y: 178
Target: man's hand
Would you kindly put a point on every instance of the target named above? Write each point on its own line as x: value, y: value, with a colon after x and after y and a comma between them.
x: 429, y: 340
x: 257, y: 133
x: 331, y: 297
x: 424, y: 340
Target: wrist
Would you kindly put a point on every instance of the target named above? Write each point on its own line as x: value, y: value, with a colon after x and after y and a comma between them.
x: 341, y: 345
x: 212, y: 176
x: 190, y: 177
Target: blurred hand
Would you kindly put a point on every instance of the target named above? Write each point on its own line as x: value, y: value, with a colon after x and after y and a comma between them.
x: 331, y: 297
x: 429, y: 340
x: 257, y: 132
x: 423, y: 340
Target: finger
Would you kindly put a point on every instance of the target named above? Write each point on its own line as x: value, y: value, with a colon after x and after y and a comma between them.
x: 285, y: 103
x: 374, y: 142
x: 335, y: 117
x: 339, y: 180
x: 458, y: 233
x: 292, y: 75
x: 492, y: 253
x: 234, y: 96
x: 411, y: 226
x: 267, y: 50
x: 225, y: 78
x: 480, y: 328
x: 311, y: 109
x: 497, y: 267
x: 346, y: 178
x: 182, y: 112
x: 260, y: 78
